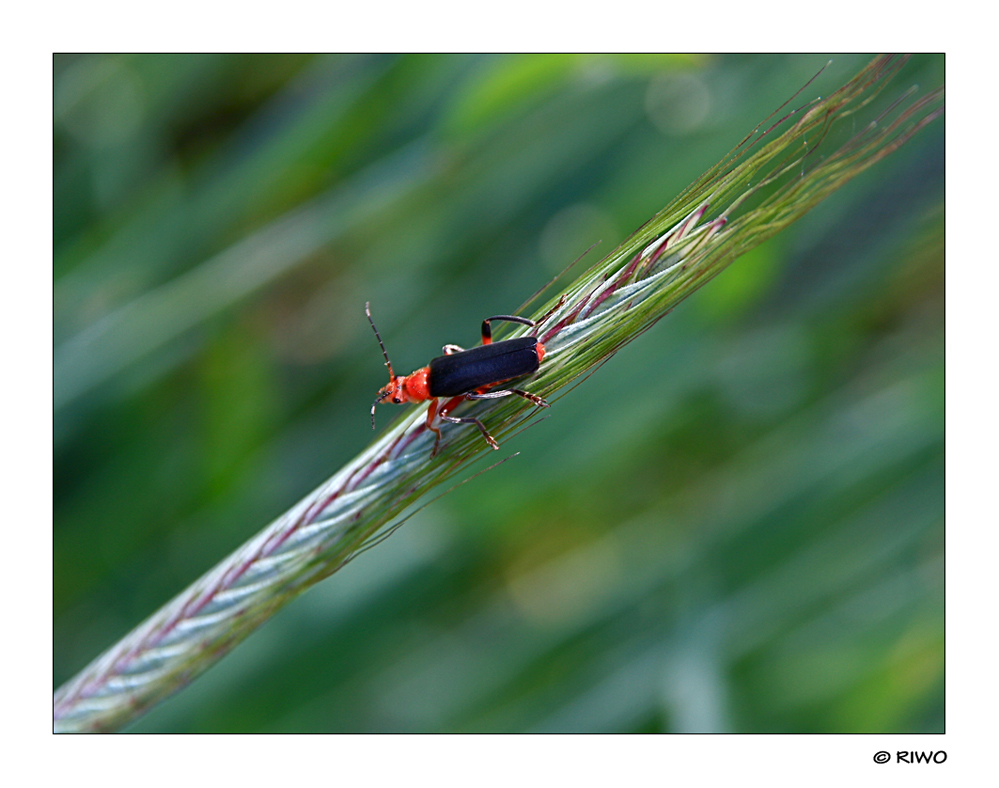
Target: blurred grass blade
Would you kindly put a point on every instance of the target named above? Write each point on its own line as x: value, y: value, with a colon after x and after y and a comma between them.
x: 152, y: 319
x: 770, y: 180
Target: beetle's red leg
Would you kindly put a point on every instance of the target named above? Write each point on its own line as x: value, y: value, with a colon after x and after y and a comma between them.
x: 450, y: 405
x: 438, y: 413
x: 487, y: 330
x: 433, y: 424
x: 506, y: 393
x: 482, y: 428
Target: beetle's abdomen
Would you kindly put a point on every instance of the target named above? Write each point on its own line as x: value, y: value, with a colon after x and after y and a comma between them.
x: 466, y: 371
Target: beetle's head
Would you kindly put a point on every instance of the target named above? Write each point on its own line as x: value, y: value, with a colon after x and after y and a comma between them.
x: 393, y: 391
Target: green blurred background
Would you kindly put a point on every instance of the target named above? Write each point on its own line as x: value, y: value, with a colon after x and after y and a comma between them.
x: 734, y: 525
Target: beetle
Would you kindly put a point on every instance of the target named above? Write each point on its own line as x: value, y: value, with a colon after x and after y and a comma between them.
x: 461, y: 375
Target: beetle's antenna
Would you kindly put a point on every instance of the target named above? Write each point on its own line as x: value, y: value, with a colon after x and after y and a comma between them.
x: 381, y: 396
x: 367, y: 311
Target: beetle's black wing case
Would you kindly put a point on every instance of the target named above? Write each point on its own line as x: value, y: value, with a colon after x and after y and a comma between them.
x: 462, y: 372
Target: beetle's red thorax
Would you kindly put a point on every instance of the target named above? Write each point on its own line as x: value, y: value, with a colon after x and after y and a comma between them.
x: 416, y: 385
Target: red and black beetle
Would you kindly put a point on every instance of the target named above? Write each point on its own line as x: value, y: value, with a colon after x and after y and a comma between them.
x: 462, y: 374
